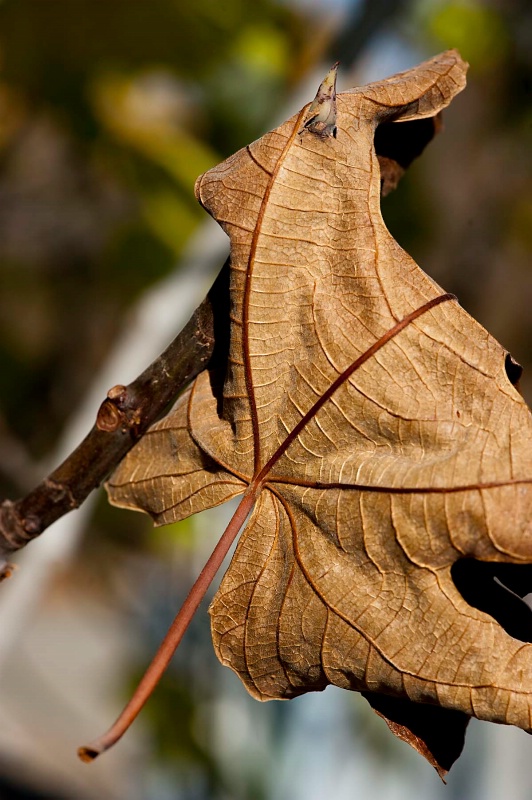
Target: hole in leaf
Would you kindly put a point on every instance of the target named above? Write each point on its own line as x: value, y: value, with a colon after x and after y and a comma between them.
x: 397, y: 144
x: 513, y: 369
x: 405, y: 141
x: 498, y: 590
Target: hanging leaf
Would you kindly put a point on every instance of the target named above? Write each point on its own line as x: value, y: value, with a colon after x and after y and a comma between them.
x: 373, y: 426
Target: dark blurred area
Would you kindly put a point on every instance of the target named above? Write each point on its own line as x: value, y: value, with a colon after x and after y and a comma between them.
x: 108, y: 113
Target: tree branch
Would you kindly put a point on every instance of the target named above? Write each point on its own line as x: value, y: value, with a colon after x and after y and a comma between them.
x: 122, y: 419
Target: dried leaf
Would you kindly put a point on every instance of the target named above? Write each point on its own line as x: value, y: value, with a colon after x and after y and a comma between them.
x: 370, y: 419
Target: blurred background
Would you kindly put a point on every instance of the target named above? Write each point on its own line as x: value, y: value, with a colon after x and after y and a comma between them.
x: 108, y: 113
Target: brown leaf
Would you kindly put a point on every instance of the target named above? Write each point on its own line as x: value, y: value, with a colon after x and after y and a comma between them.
x: 370, y: 419
x: 435, y: 732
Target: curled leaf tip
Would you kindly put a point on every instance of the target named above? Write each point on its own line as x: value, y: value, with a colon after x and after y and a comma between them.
x: 321, y: 118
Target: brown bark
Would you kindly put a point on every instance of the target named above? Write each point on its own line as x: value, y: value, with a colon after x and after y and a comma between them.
x: 122, y: 419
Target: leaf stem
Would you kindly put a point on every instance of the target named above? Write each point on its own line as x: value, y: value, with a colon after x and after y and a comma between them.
x: 172, y: 639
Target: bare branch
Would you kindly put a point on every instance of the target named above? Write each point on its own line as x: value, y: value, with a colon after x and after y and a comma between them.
x: 122, y: 419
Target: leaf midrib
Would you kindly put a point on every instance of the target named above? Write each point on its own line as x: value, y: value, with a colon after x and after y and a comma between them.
x: 247, y: 292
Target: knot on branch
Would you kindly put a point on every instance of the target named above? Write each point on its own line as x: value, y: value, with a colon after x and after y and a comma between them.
x: 119, y: 411
x: 6, y: 570
x: 16, y: 530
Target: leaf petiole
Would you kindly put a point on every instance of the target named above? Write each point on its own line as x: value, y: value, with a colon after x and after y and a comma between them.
x: 171, y: 641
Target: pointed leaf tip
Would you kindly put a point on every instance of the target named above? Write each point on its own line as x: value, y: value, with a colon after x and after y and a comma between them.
x: 328, y: 84
x: 321, y: 118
